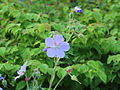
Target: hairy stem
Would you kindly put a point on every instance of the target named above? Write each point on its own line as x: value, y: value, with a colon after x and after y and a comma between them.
x: 27, y: 85
x: 53, y: 74
x: 59, y: 82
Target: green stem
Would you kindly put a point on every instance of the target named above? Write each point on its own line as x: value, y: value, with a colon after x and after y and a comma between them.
x: 37, y: 84
x: 59, y: 82
x: 70, y: 18
x: 33, y: 83
x: 69, y: 37
x: 53, y: 74
x: 27, y: 85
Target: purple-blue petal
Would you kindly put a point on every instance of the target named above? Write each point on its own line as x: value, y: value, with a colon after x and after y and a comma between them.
x: 22, y: 69
x: 45, y: 49
x: 59, y: 53
x: 80, y: 11
x: 58, y: 39
x: 64, y: 46
x: 49, y: 42
x: 51, y: 52
x: 1, y: 77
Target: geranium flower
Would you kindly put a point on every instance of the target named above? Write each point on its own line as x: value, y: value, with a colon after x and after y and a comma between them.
x: 21, y: 71
x: 78, y: 9
x: 55, y: 47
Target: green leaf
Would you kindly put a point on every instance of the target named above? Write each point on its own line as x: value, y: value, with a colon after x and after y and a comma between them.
x: 50, y: 71
x: 97, y: 67
x: 114, y: 58
x: 8, y: 66
x: 13, y: 49
x: 102, y: 76
x: 26, y: 53
x: 20, y: 85
x: 41, y: 28
x: 43, y: 68
x: 44, y: 26
x: 35, y: 51
x: 82, y: 68
x: 95, y: 64
x: 2, y: 51
x: 1, y: 66
x: 34, y: 63
x: 61, y: 72
x: 97, y: 16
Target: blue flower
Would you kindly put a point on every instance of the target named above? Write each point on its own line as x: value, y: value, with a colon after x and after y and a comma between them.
x: 56, y: 46
x: 1, y: 88
x: 38, y: 76
x: 1, y: 78
x: 77, y: 9
x: 21, y: 71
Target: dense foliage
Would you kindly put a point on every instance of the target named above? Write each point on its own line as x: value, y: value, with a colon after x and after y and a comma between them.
x: 93, y: 61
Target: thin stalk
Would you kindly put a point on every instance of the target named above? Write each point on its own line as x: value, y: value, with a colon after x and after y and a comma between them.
x: 59, y: 82
x: 71, y: 15
x: 53, y: 74
x: 27, y: 85
x: 37, y: 85
x: 69, y: 37
x: 33, y: 82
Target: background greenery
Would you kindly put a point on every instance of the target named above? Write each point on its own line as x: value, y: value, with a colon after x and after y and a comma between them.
x: 95, y: 42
